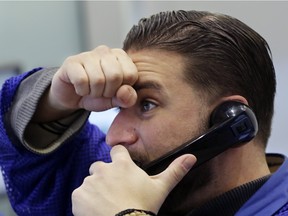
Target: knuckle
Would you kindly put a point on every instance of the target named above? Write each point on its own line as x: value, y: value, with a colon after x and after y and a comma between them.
x: 99, y: 81
x: 70, y: 59
x: 75, y: 193
x: 96, y: 167
x: 81, y: 80
x: 81, y: 86
x: 76, y: 58
x: 130, y: 77
x: 86, y: 180
x: 119, y: 51
x: 102, y: 48
x: 115, y: 77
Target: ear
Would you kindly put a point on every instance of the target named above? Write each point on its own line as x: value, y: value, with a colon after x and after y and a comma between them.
x: 237, y: 98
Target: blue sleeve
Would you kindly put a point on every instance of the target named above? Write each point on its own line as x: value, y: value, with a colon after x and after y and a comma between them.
x: 42, y: 184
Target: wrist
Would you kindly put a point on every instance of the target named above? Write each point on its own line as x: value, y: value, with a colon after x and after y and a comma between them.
x: 50, y: 110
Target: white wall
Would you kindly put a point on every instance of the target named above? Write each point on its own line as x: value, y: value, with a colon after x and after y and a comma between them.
x: 40, y: 33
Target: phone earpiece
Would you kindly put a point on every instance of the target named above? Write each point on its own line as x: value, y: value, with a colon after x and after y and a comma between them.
x: 229, y: 109
x: 231, y: 123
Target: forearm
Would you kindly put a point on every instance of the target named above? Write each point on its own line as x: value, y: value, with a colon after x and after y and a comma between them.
x: 46, y: 111
x: 26, y: 99
x: 29, y: 112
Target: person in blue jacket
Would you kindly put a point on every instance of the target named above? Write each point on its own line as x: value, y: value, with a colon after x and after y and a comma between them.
x: 175, y: 68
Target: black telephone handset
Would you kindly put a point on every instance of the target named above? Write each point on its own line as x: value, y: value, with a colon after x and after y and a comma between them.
x: 231, y: 123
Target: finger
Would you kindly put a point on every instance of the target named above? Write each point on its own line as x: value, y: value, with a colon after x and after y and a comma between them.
x: 74, y: 73
x: 119, y: 152
x: 177, y: 170
x: 113, y: 74
x: 76, y: 199
x: 96, y: 167
x: 130, y: 72
x: 126, y: 96
x: 91, y: 64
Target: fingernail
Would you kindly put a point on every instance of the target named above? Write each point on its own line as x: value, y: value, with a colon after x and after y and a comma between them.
x: 128, y: 100
x: 189, y: 161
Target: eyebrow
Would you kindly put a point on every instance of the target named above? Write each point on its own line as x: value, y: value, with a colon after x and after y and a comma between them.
x: 148, y: 85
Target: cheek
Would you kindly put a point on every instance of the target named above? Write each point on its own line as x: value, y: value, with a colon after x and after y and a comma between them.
x: 162, y: 138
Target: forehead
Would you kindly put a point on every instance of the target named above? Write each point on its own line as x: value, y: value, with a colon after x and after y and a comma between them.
x: 158, y: 65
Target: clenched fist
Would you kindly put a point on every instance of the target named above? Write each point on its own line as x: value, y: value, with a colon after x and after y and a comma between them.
x: 95, y: 81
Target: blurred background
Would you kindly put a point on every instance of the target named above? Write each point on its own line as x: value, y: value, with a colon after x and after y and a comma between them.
x: 44, y: 33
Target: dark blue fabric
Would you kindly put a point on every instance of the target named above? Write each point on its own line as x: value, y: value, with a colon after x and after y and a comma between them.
x: 271, y: 198
x: 283, y: 211
x: 42, y: 184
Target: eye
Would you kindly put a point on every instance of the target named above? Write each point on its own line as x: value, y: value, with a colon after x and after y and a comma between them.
x: 147, y: 106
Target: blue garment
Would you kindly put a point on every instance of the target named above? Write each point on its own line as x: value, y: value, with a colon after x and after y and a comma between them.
x: 45, y: 190
x: 271, y: 198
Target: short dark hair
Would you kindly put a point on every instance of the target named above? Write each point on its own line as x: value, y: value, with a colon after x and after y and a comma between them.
x: 223, y: 56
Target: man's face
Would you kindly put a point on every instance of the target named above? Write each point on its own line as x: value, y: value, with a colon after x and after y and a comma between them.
x: 168, y: 110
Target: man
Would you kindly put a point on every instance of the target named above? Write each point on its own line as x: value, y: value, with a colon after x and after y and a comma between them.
x: 174, y: 70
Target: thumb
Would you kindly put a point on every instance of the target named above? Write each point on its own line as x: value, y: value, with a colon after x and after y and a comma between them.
x: 126, y: 96
x: 177, y: 170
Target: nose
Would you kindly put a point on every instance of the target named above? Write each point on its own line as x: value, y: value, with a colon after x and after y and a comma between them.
x: 123, y: 129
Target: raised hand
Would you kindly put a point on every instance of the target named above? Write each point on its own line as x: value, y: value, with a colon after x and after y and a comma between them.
x: 121, y: 184
x: 95, y: 81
